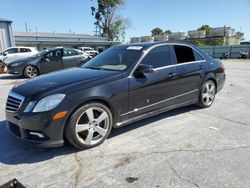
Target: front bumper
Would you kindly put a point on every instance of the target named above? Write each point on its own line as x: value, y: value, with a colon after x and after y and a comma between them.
x: 37, y: 128
x: 14, y: 70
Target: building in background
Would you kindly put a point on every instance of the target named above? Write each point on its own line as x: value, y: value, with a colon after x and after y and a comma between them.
x: 216, y: 36
x: 48, y: 40
x: 6, y: 35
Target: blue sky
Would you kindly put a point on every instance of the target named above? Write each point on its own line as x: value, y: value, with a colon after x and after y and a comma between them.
x: 144, y: 15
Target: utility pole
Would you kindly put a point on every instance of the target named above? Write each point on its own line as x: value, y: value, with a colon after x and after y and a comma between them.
x: 26, y: 27
x: 97, y: 31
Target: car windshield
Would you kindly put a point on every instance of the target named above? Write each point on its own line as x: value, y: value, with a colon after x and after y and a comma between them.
x: 114, y: 59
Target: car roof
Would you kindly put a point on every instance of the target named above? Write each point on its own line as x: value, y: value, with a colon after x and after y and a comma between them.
x: 146, y: 45
x: 33, y: 48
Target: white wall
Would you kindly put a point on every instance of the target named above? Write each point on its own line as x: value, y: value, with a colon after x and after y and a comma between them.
x: 6, y: 37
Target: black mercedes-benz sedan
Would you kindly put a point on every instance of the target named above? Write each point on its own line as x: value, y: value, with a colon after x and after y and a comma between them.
x: 47, y: 60
x: 124, y: 84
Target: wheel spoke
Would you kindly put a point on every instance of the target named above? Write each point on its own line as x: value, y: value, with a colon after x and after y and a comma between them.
x: 81, y: 127
x: 211, y: 88
x: 207, y: 87
x: 89, y: 137
x: 211, y: 96
x: 101, y: 131
x: 90, y: 114
x: 102, y: 117
x: 204, y: 95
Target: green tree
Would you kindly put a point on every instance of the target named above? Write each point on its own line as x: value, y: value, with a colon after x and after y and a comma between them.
x: 207, y: 28
x: 157, y: 31
x: 200, y: 43
x: 240, y: 35
x: 107, y: 19
x: 167, y: 32
x: 219, y: 42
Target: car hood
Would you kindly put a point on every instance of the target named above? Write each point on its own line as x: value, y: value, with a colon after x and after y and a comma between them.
x: 63, y: 81
x: 24, y: 59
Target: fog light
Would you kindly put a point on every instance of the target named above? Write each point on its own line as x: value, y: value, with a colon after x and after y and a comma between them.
x: 37, y: 134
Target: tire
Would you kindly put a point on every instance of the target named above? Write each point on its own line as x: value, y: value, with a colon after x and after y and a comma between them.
x: 30, y: 71
x: 89, y: 125
x: 207, y: 94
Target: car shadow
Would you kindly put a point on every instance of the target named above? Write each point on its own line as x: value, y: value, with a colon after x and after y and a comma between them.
x: 144, y: 122
x: 14, y: 151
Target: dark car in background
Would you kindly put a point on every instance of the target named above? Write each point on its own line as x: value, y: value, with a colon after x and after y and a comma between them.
x: 122, y: 85
x: 46, y: 61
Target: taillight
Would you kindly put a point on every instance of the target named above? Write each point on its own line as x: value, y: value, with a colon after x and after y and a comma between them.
x: 222, y: 68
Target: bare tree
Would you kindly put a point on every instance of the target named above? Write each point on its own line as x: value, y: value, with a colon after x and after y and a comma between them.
x: 107, y: 19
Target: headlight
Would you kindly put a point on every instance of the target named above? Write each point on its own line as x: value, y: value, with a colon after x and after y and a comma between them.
x: 48, y: 103
x: 15, y: 64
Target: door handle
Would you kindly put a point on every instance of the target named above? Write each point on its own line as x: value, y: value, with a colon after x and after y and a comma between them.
x: 201, y: 66
x: 171, y: 75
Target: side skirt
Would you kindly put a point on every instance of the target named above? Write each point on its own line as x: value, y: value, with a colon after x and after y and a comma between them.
x: 155, y: 112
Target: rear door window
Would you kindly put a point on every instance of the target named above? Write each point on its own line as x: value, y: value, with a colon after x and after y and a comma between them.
x: 25, y: 50
x: 184, y: 54
x: 198, y: 57
x: 158, y: 57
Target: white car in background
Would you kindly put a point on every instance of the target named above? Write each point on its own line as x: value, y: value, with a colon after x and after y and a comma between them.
x: 14, y: 53
x: 89, y: 51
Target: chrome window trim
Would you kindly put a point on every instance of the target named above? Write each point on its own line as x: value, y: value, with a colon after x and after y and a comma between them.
x: 165, y: 44
x: 176, y: 65
x: 165, y: 100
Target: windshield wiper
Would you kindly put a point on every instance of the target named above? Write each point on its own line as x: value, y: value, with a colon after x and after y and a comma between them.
x: 101, y: 68
x: 98, y: 68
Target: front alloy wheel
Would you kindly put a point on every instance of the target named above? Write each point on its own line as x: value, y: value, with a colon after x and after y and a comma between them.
x: 89, y: 126
x: 30, y: 71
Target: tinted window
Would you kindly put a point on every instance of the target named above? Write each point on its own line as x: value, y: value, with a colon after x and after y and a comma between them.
x: 87, y: 49
x: 184, y: 54
x: 77, y: 52
x: 198, y: 57
x: 12, y: 51
x: 23, y: 50
x: 69, y: 52
x: 53, y: 54
x: 116, y: 58
x: 158, y: 57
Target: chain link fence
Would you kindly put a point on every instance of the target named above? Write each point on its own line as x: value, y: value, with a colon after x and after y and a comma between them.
x: 234, y: 50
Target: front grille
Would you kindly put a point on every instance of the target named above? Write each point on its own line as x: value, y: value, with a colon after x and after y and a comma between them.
x: 14, y: 102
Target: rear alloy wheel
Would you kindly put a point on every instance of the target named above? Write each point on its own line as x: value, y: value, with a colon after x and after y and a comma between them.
x: 89, y: 126
x: 207, y: 95
x: 30, y: 71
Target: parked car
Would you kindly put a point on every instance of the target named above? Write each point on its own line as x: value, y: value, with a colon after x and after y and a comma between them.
x: 89, y: 51
x: 121, y: 85
x: 46, y: 61
x: 14, y: 53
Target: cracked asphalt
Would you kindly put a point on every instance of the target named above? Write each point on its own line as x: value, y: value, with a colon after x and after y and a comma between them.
x: 186, y: 147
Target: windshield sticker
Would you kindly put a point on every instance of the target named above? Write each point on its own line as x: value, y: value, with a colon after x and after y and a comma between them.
x: 134, y: 48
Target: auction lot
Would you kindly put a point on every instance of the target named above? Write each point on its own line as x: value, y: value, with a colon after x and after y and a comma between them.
x: 186, y: 147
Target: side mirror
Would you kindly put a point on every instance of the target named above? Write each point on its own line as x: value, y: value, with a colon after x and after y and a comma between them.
x: 5, y: 53
x: 143, y: 69
x: 45, y: 59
